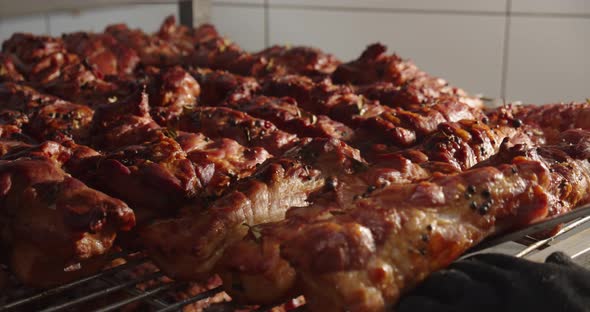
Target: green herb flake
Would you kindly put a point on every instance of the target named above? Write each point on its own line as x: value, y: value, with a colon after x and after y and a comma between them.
x: 255, y: 231
x: 171, y: 133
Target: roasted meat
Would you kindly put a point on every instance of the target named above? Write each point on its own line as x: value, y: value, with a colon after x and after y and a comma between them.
x: 286, y: 114
x: 222, y: 122
x: 123, y: 122
x: 396, y: 82
x: 249, y: 164
x: 201, y: 236
x: 373, y: 123
x: 284, y: 60
x: 363, y: 256
x: 171, y: 91
x: 8, y: 71
x: 55, y: 228
x: 42, y: 116
x: 152, y: 50
x: 102, y: 52
x: 154, y: 177
x: 218, y: 86
x: 553, y: 119
x: 221, y: 162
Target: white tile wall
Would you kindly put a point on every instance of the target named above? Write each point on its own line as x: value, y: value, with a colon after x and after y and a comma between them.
x: 549, y: 59
x: 447, y: 5
x: 147, y: 17
x: 32, y: 24
x: 261, y: 2
x: 461, y: 40
x: 552, y: 6
x: 244, y: 25
x: 467, y: 50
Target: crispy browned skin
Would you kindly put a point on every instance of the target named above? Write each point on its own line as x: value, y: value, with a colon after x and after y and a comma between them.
x: 152, y: 50
x: 219, y: 86
x: 8, y: 71
x: 375, y: 65
x: 171, y: 91
x: 47, y: 65
x: 124, y: 122
x: 299, y: 60
x: 416, y: 93
x: 201, y: 236
x: 183, y: 36
x: 48, y: 150
x: 28, y: 49
x: 42, y: 116
x: 569, y: 183
x: 154, y: 177
x: 216, y: 52
x: 220, y: 122
x: 324, y: 98
x: 552, y: 118
x: 102, y: 52
x: 185, y: 124
x: 365, y: 255
x: 454, y: 147
x: 396, y: 82
x: 373, y: 123
x: 51, y: 221
x: 288, y: 116
x: 220, y: 162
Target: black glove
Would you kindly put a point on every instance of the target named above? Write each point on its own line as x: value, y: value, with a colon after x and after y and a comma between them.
x: 495, y: 282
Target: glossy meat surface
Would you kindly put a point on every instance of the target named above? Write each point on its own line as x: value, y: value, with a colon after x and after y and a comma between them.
x: 364, y: 255
x: 51, y: 221
x: 280, y: 183
x: 218, y: 122
x: 285, y: 170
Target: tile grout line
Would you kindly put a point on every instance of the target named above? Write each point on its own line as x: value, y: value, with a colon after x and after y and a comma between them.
x: 266, y: 24
x: 47, y: 24
x: 505, y: 52
x: 402, y: 10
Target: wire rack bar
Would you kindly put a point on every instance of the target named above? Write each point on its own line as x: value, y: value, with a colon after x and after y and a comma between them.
x: 204, y: 295
x: 544, y: 242
x: 104, y: 292
x: 115, y: 283
x: 62, y: 288
x: 146, y: 294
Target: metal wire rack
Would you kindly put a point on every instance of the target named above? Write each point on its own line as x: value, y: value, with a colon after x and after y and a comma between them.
x: 136, y: 283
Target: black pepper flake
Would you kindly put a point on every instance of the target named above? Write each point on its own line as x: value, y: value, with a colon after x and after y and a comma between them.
x: 486, y: 193
x: 429, y: 228
x: 514, y: 170
x: 473, y: 205
x: 484, y: 208
x: 563, y: 184
x: 471, y: 189
x: 247, y: 134
x: 468, y: 195
x: 357, y: 197
x: 331, y: 183
x: 371, y: 188
x: 482, y: 151
x: 516, y: 123
x: 425, y: 237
